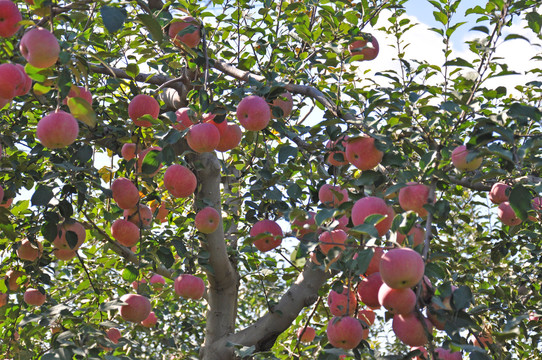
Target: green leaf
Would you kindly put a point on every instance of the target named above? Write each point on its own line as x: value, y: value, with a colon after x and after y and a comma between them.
x: 132, y: 70
x: 534, y: 20
x: 130, y: 273
x: 521, y: 201
x: 285, y: 152
x: 82, y: 111
x: 459, y: 62
x: 84, y: 154
x: 462, y: 297
x: 153, y: 26
x: 440, y: 17
x: 42, y: 196
x: 165, y: 256
x: 363, y: 260
x: 151, y: 162
x: 113, y: 18
x: 483, y: 29
x: 323, y: 215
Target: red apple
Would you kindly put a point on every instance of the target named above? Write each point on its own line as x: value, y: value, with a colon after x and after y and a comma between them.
x: 362, y: 153
x: 24, y: 87
x: 64, y: 230
x: 367, y: 316
x: 344, y: 332
x: 414, y: 197
x: 367, y: 46
x: 183, y: 120
x: 189, y: 286
x: 203, y: 137
x: 410, y: 330
x: 150, y: 321
x: 29, y: 251
x: 304, y: 224
x: 268, y: 235
x: 160, y: 216
x: 332, y: 196
x: 11, y: 279
x: 332, y: 146
x: 128, y: 151
x: 416, y: 234
x: 285, y: 102
x: 141, y: 157
x: 190, y: 39
x: 157, y: 281
x: 11, y: 79
x: 368, y: 290
x: 497, y: 194
x: 253, y: 113
x: 125, y: 193
x: 370, y: 205
x: 397, y: 301
x: 306, y: 334
x: 40, y: 48
x: 330, y: 239
x: 342, y: 303
x: 137, y: 309
x: 114, y: 335
x: 230, y: 138
x: 34, y: 297
x: 57, y: 130
x: 459, y: 159
x: 136, y: 283
x: 180, y: 181
x: 9, y: 18
x: 507, y: 215
x: 401, y: 268
x: 207, y: 220
x: 64, y: 254
x: 141, y: 218
x: 143, y: 105
x: 125, y: 232
x: 374, y: 265
x: 80, y: 92
x: 7, y: 203
x: 445, y: 354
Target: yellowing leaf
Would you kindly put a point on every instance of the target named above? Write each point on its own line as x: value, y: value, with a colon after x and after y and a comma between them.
x: 105, y: 173
x: 82, y: 110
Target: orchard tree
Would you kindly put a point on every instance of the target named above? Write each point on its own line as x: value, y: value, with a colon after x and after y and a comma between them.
x: 229, y: 180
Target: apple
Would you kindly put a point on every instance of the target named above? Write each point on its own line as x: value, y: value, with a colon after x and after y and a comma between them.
x: 143, y: 105
x: 150, y: 321
x: 371, y: 205
x: 423, y: 356
x: 9, y: 18
x: 368, y: 47
x: 343, y: 303
x: 40, y: 48
x: 34, y: 297
x: 267, y: 234
x: 136, y: 283
x: 362, y: 152
x: 330, y: 239
x: 125, y: 193
x: 397, y: 301
x: 285, y: 102
x: 128, y: 151
x: 70, y: 227
x: 507, y: 215
x: 24, y: 87
x: 137, y: 307
x: 401, y: 268
x: 332, y: 196
x: 344, y: 332
x: 368, y: 290
x: 413, y: 197
x: 7, y: 203
x: 368, y: 316
x: 57, y: 130
x: 80, y: 92
x: 4, y: 299
x: 141, y: 218
x: 190, y: 39
x: 410, y: 330
x: 230, y: 138
x: 64, y: 254
x: 157, y: 281
x: 29, y: 251
x: 211, y: 119
x: 416, y: 235
x: 160, y: 213
x: 189, y: 286
x: 11, y: 80
x: 253, y: 113
x: 141, y: 157
x: 203, y: 137
x: 306, y: 334
x: 498, y: 191
x: 374, y: 264
x: 180, y: 181
x: 459, y: 159
x: 125, y: 232
x: 332, y: 147
x: 11, y: 279
x: 304, y: 224
x: 183, y: 121
x: 114, y: 335
x: 445, y: 354
x: 207, y: 220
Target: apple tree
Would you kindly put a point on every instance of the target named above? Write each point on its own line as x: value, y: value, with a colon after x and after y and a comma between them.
x: 230, y: 180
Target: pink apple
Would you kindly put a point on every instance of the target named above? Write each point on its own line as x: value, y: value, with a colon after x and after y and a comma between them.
x: 40, y: 48
x: 368, y: 290
x: 253, y: 113
x: 183, y: 121
x: 203, y: 137
x: 367, y: 316
x: 143, y: 105
x: 189, y: 286
x: 445, y: 354
x: 230, y: 138
x: 332, y: 195
x: 125, y: 232
x: 114, y: 335
x: 332, y: 146
x: 285, y: 102
x: 401, y: 268
x: 160, y: 213
x: 330, y: 239
x: 306, y: 334
x: 125, y: 193
x: 304, y: 224
x: 141, y: 217
x: 370, y: 205
x: 459, y: 159
x: 11, y: 80
x: 416, y: 234
x: 397, y: 301
x: 11, y: 279
x: 507, y: 215
x: 80, y: 92
x: 29, y: 251
x: 66, y: 231
x: 409, y: 329
x: 34, y: 297
x: 128, y: 151
x: 141, y: 158
x: 137, y: 308
x: 57, y: 130
x: 136, y: 283
x: 64, y: 254
x: 414, y: 197
x: 497, y: 194
x: 9, y: 18
x: 180, y: 181
x: 342, y: 303
x: 374, y: 265
x: 191, y: 39
x: 150, y: 321
x: 24, y: 87
x: 207, y: 220
x: 344, y: 332
x: 367, y: 47
x: 362, y: 153
x: 268, y: 235
x: 157, y: 281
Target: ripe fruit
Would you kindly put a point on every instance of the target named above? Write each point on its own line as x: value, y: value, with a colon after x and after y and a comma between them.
x: 64, y: 254
x: 11, y: 79
x: 497, y: 194
x: 29, y: 251
x: 306, y: 334
x: 114, y: 335
x: 11, y: 279
x: 332, y: 146
x: 416, y: 233
x: 370, y: 205
x: 285, y: 102
x: 304, y: 224
x: 157, y: 281
x: 342, y: 303
x: 80, y: 92
x: 189, y: 286
x: 125, y: 193
x: 332, y: 196
x: 190, y: 39
x: 230, y: 137
x: 368, y: 47
x: 330, y: 239
x: 34, y: 297
x: 136, y: 283
x: 40, y: 48
x: 459, y: 159
x: 374, y: 265
x: 128, y: 151
x: 57, y: 130
x: 368, y: 290
x: 24, y: 87
x: 125, y: 232
x: 344, y: 332
x: 150, y: 321
x: 160, y: 216
x: 180, y: 181
x: 397, y: 301
x: 253, y: 113
x: 401, y: 268
x: 414, y: 197
x: 445, y: 354
x: 141, y: 218
x: 207, y: 220
x: 203, y: 137
x: 268, y: 235
x: 143, y: 105
x: 183, y: 120
x: 362, y: 153
x: 368, y: 316
x: 71, y: 235
x: 507, y: 215
x: 410, y: 330
x: 9, y: 18
x: 137, y: 309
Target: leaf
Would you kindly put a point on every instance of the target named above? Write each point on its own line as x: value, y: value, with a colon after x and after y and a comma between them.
x: 113, y: 18
x: 71, y: 239
x: 521, y: 201
x: 153, y: 26
x: 130, y: 273
x: 458, y: 62
x: 440, y: 17
x: 151, y: 162
x: 82, y: 111
x: 285, y: 152
x: 132, y: 70
x: 363, y: 260
x: 483, y: 29
x: 165, y: 256
x: 323, y: 215
x: 111, y: 305
x: 42, y: 196
x: 534, y: 19
x: 462, y: 297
